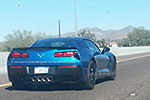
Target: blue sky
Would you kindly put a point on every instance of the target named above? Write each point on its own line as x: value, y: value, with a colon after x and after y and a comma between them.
x: 42, y: 15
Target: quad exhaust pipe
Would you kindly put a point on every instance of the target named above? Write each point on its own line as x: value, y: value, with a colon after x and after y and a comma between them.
x: 42, y: 79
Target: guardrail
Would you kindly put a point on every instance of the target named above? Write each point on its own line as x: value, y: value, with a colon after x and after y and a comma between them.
x: 118, y: 51
x: 3, y: 62
x: 122, y: 51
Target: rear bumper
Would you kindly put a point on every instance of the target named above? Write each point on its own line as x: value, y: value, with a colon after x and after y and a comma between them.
x: 55, y: 75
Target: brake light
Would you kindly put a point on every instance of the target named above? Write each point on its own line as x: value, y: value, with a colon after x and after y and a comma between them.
x: 69, y: 54
x: 73, y: 66
x: 25, y: 55
x: 65, y: 54
x: 16, y: 54
x: 19, y: 55
x: 16, y: 67
x: 58, y: 54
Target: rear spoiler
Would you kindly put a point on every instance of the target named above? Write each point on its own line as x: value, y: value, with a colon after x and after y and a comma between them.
x: 43, y: 48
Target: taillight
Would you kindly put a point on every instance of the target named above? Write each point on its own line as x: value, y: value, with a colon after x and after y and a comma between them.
x: 69, y: 54
x: 16, y: 54
x: 25, y: 55
x: 19, y: 55
x: 58, y: 54
x: 16, y: 67
x: 65, y: 54
x: 73, y: 66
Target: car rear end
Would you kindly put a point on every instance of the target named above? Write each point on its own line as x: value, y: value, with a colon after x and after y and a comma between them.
x: 57, y: 64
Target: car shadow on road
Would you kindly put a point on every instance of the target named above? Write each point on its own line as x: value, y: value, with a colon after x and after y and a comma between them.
x: 54, y: 87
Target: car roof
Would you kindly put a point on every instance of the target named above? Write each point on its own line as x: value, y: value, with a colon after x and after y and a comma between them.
x: 67, y: 38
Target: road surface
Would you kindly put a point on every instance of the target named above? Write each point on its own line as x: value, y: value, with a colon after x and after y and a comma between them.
x: 132, y: 83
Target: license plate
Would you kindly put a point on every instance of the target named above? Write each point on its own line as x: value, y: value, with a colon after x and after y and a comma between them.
x: 40, y: 70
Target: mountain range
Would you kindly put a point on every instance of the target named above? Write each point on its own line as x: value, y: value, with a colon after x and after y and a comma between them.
x: 104, y: 34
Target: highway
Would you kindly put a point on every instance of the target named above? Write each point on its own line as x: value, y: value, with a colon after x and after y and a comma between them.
x: 132, y: 83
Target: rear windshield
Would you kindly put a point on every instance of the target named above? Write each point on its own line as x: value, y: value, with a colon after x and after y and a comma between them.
x: 53, y: 43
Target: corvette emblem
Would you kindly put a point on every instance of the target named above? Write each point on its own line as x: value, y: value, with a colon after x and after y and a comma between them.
x: 40, y: 55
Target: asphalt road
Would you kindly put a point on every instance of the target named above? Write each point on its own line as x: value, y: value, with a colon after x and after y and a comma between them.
x: 132, y: 83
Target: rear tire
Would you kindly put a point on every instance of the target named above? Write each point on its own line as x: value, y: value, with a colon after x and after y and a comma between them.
x: 113, y: 72
x: 90, y: 84
x: 113, y: 76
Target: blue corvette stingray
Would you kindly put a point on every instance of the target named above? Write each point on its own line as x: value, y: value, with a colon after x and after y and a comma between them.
x: 60, y: 60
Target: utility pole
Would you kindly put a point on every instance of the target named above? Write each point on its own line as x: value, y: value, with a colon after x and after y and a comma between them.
x: 59, y: 29
x: 75, y: 13
x: 19, y: 19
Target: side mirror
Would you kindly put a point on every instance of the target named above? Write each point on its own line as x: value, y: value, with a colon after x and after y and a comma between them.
x: 106, y: 49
